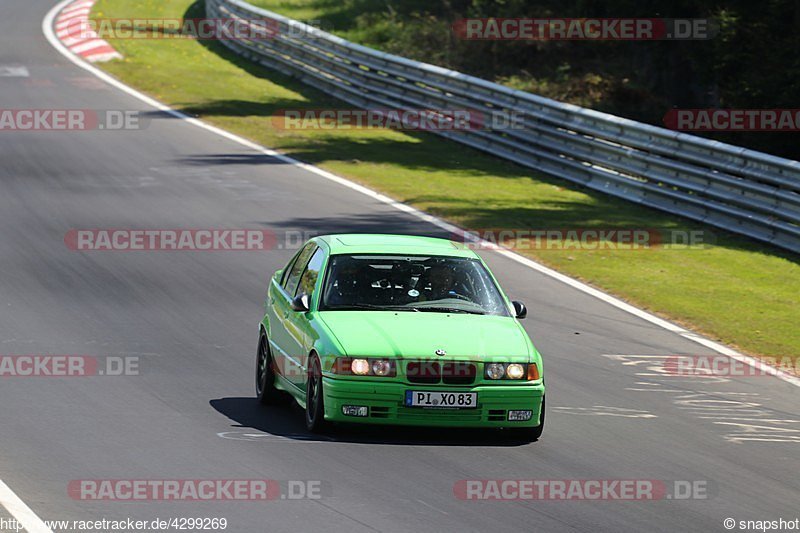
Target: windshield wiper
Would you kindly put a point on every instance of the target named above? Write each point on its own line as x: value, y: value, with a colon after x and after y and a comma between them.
x: 374, y: 307
x: 451, y: 310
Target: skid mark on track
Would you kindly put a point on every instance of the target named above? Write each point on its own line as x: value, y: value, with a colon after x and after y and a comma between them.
x: 742, y: 416
x: 604, y: 410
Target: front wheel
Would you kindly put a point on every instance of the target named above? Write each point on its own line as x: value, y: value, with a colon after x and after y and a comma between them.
x: 265, y: 373
x: 315, y: 402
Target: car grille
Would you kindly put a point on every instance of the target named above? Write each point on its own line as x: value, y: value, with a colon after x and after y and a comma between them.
x: 430, y: 372
x: 459, y: 373
x: 379, y: 412
x: 497, y: 415
x: 451, y: 415
x: 424, y: 372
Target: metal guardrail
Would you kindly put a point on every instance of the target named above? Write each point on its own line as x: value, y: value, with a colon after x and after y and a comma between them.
x: 740, y: 190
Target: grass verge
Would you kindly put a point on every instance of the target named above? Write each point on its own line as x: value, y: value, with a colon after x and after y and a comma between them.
x: 736, y: 291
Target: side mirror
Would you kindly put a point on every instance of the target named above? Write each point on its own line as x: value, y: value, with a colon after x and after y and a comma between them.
x: 301, y: 304
x: 520, y: 309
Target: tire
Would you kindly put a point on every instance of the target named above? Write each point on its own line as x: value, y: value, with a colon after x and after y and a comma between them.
x: 535, y: 433
x: 315, y: 399
x: 266, y: 391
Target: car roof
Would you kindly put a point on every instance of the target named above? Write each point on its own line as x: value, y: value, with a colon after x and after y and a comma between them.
x: 377, y: 243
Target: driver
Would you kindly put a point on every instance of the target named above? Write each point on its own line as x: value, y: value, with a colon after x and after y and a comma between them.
x: 348, y: 285
x: 441, y: 280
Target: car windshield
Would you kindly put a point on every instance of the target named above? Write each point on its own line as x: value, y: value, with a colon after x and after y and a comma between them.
x: 411, y: 283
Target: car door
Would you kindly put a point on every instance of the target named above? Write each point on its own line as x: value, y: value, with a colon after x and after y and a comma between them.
x: 300, y: 333
x: 280, y: 309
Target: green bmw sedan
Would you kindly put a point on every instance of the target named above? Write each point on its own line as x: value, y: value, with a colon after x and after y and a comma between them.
x: 402, y: 330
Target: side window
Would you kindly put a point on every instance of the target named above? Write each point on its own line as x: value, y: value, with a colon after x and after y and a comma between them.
x: 288, y: 269
x: 298, y: 267
x: 309, y: 279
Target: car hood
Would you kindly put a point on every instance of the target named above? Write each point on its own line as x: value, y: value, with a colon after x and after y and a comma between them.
x: 419, y: 335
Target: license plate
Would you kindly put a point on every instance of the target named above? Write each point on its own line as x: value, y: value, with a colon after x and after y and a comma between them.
x: 442, y: 400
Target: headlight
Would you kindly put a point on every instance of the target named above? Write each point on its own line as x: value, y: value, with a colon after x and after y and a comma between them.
x: 381, y: 367
x: 495, y: 370
x: 511, y: 371
x: 360, y: 367
x: 515, y: 371
x: 347, y: 366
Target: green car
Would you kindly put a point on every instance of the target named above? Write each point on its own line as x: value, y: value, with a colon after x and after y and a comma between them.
x: 402, y: 330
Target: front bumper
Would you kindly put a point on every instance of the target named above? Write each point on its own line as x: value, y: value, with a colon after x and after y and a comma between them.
x: 385, y: 401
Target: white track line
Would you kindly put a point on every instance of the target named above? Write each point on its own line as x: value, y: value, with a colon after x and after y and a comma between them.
x: 47, y: 27
x: 20, y: 511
